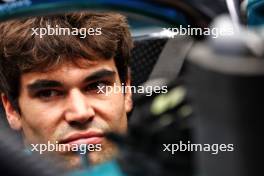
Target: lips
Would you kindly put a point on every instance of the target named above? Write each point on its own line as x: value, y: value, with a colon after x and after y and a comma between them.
x: 90, y: 137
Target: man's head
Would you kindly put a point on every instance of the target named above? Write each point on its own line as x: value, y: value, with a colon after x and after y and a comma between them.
x: 49, y: 83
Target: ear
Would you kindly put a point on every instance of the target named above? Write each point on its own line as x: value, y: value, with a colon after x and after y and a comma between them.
x: 128, y: 94
x: 12, y: 116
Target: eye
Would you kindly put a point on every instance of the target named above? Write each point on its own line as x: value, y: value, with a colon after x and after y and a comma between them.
x: 95, y: 86
x: 48, y: 94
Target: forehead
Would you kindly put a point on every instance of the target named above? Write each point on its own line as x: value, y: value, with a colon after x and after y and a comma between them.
x: 70, y: 72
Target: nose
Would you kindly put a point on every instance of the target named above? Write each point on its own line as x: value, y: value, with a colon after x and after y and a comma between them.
x: 78, y: 109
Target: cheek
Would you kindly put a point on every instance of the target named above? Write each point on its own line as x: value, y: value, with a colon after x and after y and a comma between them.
x: 38, y: 120
x: 113, y: 112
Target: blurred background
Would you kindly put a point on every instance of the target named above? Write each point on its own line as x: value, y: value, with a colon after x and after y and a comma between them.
x: 215, y: 88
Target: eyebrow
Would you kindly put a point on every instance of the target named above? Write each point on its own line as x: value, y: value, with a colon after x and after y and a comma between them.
x: 41, y: 84
x: 99, y: 75
x: 45, y: 83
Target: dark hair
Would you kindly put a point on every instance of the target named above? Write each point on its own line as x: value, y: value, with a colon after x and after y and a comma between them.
x: 22, y: 52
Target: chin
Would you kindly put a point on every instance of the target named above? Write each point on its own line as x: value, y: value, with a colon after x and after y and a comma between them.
x: 73, y: 161
x: 96, y: 158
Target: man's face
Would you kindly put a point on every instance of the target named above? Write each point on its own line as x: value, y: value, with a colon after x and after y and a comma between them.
x: 63, y: 105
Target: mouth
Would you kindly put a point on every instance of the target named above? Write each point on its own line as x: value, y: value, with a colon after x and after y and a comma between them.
x: 90, y: 137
